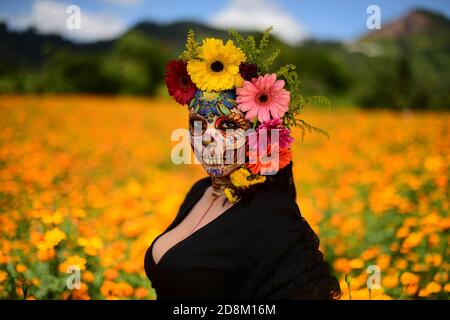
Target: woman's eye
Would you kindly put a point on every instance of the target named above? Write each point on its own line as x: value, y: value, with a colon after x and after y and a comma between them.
x: 197, y: 126
x: 226, y: 124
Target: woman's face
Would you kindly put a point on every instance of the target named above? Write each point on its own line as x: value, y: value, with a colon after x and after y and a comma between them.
x: 217, y: 129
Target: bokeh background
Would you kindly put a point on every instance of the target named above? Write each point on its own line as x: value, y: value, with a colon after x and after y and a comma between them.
x: 85, y: 121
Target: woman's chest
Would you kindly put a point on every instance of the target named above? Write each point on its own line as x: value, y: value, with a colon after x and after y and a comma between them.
x: 211, y: 262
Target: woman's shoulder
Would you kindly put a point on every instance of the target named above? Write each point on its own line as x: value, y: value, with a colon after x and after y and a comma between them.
x: 272, y: 204
x: 270, y: 214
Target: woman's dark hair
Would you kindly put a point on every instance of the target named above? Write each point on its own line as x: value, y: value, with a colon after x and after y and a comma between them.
x: 283, y: 180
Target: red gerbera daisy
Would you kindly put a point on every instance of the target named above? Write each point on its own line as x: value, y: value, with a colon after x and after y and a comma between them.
x: 178, y: 82
x: 248, y: 71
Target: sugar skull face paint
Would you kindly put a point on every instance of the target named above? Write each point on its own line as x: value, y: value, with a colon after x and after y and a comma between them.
x: 218, y: 131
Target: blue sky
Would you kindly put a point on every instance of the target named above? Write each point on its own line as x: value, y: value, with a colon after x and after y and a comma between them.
x: 293, y: 19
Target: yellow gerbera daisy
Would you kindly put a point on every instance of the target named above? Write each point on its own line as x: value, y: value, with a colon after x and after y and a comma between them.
x: 242, y: 178
x: 219, y: 68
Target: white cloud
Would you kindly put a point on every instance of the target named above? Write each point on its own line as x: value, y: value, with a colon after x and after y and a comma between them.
x: 257, y: 15
x: 51, y: 17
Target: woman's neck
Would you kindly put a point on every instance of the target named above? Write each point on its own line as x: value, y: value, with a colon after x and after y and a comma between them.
x: 219, y: 184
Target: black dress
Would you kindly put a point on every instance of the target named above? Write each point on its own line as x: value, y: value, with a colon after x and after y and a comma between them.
x: 260, y: 248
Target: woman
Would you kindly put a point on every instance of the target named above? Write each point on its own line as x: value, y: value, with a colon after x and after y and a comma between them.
x: 239, y: 233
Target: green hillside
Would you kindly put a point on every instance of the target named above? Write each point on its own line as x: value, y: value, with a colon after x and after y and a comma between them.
x: 405, y: 64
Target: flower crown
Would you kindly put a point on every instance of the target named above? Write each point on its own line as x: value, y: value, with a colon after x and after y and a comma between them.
x: 241, y: 76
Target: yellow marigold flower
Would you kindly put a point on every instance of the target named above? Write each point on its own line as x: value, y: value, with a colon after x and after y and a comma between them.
x: 75, y: 260
x: 242, y: 178
x: 91, y: 245
x: 53, y: 237
x: 356, y: 263
x: 229, y: 193
x: 21, y: 268
x: 447, y: 287
x: 218, y: 68
x: 52, y: 218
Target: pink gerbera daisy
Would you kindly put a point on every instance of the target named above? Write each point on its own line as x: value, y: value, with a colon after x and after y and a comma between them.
x: 285, y: 138
x: 263, y: 98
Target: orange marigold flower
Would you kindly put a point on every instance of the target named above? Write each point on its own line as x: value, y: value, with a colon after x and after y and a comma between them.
x: 141, y: 293
x: 342, y: 265
x: 413, y: 240
x: 111, y: 274
x: 434, y: 259
x: 356, y: 263
x: 410, y: 282
x: 3, y: 276
x: 390, y: 281
x: 21, y: 268
x: 46, y: 255
x: 88, y: 276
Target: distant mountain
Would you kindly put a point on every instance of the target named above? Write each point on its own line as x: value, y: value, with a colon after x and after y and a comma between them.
x: 174, y: 34
x: 30, y: 49
x: 417, y: 22
x: 410, y: 61
x: 404, y: 64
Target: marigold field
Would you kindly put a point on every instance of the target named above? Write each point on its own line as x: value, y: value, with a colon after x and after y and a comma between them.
x: 88, y: 181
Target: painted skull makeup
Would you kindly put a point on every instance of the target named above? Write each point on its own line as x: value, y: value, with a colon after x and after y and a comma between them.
x: 217, y: 129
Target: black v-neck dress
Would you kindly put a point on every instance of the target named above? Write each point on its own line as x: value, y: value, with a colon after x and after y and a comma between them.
x: 260, y: 248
